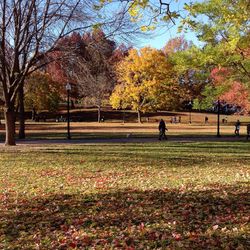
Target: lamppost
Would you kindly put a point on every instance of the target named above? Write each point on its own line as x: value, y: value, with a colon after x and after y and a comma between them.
x: 218, y: 118
x: 68, y: 88
x: 190, y: 109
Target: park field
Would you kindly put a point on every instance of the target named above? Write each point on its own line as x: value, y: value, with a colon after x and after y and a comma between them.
x: 158, y: 195
x: 116, y: 128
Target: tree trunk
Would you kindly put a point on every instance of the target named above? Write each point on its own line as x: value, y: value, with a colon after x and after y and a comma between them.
x: 123, y: 116
x: 33, y: 114
x: 10, y: 127
x: 99, y: 114
x: 139, y: 116
x: 21, y: 114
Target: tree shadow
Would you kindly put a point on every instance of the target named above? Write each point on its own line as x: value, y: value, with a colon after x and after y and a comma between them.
x: 178, y: 219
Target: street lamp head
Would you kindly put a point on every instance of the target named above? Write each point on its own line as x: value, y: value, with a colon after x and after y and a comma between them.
x: 68, y: 86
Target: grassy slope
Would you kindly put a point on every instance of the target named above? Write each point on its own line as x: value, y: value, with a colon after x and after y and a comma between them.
x: 158, y: 195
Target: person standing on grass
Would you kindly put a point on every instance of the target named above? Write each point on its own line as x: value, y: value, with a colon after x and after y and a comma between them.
x: 237, y: 128
x: 206, y: 119
x: 162, y: 130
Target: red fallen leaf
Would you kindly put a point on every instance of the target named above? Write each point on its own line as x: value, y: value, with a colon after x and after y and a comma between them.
x: 72, y: 244
x: 63, y: 241
x: 176, y: 236
x: 152, y: 236
x: 186, y: 213
x: 117, y: 243
x: 64, y: 228
x: 142, y: 226
x: 86, y: 240
x: 78, y: 222
x: 130, y: 248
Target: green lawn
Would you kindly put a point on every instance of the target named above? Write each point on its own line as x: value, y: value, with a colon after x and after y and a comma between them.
x: 166, y: 195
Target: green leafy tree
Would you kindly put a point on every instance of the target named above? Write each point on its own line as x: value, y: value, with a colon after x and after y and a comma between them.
x: 224, y: 30
x: 207, y: 98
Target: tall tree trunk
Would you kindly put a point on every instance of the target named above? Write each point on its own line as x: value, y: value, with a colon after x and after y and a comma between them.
x: 9, y: 115
x: 99, y: 114
x: 21, y: 114
x: 139, y: 116
x: 33, y: 114
x: 123, y: 116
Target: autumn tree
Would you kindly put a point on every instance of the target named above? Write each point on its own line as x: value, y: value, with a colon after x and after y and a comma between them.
x: 64, y: 62
x: 175, y: 45
x: 191, y: 76
x: 232, y: 92
x: 222, y: 87
x: 237, y: 95
x: 147, y: 81
x: 224, y: 31
x: 96, y: 82
x: 30, y: 31
x: 90, y: 68
x: 41, y: 92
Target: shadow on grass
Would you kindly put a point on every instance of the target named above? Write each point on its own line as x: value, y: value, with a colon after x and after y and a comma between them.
x: 212, y: 219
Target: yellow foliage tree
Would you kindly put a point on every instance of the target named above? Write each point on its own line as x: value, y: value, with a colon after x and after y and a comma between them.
x: 146, y: 81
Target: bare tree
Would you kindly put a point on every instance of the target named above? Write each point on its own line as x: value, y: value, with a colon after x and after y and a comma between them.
x: 98, y: 81
x: 94, y: 80
x: 90, y: 69
x: 29, y: 31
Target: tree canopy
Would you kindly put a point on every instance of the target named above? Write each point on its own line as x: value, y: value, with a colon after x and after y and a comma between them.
x: 147, y: 81
x: 41, y: 92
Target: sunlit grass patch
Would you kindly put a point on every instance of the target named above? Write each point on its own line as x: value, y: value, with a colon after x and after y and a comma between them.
x: 153, y: 195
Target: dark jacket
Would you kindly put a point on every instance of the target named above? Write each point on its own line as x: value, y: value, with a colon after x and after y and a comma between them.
x: 162, y: 126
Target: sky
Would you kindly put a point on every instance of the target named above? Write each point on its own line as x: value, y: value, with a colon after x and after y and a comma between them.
x: 161, y: 36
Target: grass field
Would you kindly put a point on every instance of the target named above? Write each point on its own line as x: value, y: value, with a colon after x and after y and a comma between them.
x: 162, y: 195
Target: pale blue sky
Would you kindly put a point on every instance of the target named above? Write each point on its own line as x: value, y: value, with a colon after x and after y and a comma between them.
x: 161, y: 36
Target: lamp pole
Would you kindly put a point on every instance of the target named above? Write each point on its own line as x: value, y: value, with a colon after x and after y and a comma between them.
x: 190, y: 109
x: 68, y: 88
x: 218, y: 119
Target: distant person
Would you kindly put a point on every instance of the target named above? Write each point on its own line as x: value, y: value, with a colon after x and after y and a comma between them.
x: 162, y: 130
x: 179, y: 119
x: 206, y: 119
x: 237, y: 128
x: 248, y: 131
